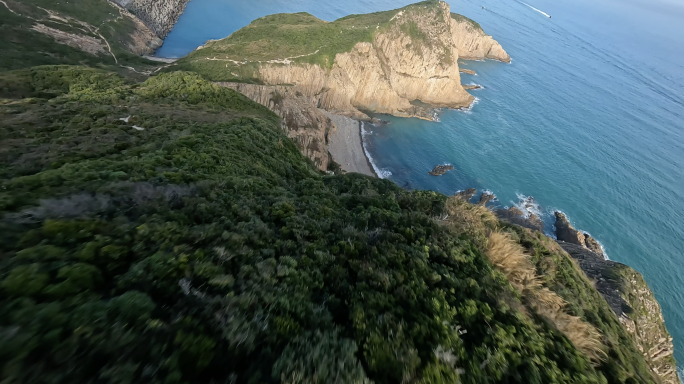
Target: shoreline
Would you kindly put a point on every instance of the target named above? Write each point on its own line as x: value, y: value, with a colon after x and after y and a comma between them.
x: 365, y: 154
x: 345, y: 145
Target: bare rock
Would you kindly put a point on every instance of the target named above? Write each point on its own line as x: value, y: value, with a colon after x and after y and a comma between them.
x: 441, y: 169
x: 565, y: 231
x: 486, y: 197
x: 514, y: 215
x: 467, y: 194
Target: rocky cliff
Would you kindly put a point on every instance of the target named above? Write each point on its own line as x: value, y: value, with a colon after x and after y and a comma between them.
x: 402, y: 62
x: 633, y: 302
x: 473, y: 43
x: 159, y: 15
x: 307, y: 125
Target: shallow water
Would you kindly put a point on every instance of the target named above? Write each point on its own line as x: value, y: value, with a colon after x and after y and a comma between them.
x: 588, y: 119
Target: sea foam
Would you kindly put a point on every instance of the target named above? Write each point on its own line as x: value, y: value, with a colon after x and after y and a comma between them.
x: 382, y: 173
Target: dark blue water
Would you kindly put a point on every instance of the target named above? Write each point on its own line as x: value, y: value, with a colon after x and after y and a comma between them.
x: 588, y: 119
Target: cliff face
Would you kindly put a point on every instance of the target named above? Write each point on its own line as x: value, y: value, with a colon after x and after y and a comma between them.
x: 637, y: 309
x: 402, y: 62
x: 384, y: 76
x: 307, y: 125
x: 159, y: 15
x: 473, y: 43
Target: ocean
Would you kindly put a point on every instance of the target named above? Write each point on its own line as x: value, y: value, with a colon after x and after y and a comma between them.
x: 588, y: 119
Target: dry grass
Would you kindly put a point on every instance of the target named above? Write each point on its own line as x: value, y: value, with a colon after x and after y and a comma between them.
x: 510, y: 258
x: 472, y: 220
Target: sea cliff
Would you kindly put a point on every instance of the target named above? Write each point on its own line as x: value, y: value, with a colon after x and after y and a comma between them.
x: 158, y: 15
x: 402, y: 62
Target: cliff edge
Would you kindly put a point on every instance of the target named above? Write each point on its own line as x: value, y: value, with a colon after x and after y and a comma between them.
x: 402, y: 62
x: 158, y: 15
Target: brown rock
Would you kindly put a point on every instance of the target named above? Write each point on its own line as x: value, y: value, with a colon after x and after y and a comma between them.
x: 565, y: 232
x: 441, y: 169
x: 485, y: 198
x: 468, y: 71
x: 592, y: 244
x: 467, y: 194
x: 514, y: 215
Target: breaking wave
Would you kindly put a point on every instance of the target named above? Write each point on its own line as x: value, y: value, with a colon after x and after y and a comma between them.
x: 382, y: 173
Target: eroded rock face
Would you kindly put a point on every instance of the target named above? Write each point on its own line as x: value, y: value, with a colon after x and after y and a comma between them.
x: 565, y: 232
x: 633, y: 302
x: 158, y: 15
x: 473, y: 43
x: 301, y: 121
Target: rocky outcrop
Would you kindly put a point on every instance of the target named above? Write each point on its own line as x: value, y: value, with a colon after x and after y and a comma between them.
x: 567, y: 233
x: 633, y: 302
x: 467, y: 194
x: 158, y: 15
x: 383, y: 76
x: 307, y: 125
x: 514, y: 215
x: 441, y: 169
x: 408, y: 67
x: 486, y: 197
x: 473, y: 43
x: 142, y: 41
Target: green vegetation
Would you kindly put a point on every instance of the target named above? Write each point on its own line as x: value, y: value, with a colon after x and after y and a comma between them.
x: 298, y: 37
x: 22, y: 47
x: 463, y: 19
x: 194, y: 243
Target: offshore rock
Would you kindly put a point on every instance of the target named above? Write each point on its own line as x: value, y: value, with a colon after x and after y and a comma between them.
x: 158, y: 15
x: 635, y: 305
x: 441, y: 169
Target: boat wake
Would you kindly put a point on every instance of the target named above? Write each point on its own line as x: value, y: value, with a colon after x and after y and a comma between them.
x: 538, y: 10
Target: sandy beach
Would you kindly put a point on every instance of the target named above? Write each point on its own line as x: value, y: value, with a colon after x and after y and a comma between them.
x: 346, y: 147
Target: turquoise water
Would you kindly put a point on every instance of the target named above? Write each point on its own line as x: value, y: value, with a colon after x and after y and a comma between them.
x: 588, y: 119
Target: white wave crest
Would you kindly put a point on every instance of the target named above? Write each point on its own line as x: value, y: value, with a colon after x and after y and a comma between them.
x: 528, y: 206
x: 382, y: 173
x: 469, y: 109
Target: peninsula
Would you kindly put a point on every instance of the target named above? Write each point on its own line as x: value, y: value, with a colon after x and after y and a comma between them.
x: 402, y: 62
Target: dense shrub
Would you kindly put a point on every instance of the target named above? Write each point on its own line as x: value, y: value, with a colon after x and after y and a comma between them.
x: 205, y: 248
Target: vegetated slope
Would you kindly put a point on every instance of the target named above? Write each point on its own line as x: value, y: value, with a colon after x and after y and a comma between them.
x: 169, y: 231
x: 90, y: 32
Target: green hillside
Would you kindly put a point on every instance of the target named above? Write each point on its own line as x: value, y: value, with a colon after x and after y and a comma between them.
x: 194, y: 243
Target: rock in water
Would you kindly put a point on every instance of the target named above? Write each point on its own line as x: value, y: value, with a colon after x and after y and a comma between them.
x: 441, y: 169
x: 467, y: 194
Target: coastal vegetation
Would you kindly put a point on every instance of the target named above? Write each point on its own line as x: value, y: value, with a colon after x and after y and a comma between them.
x: 164, y: 229
x: 169, y: 231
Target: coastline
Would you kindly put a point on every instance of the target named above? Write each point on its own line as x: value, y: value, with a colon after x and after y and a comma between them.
x: 345, y: 144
